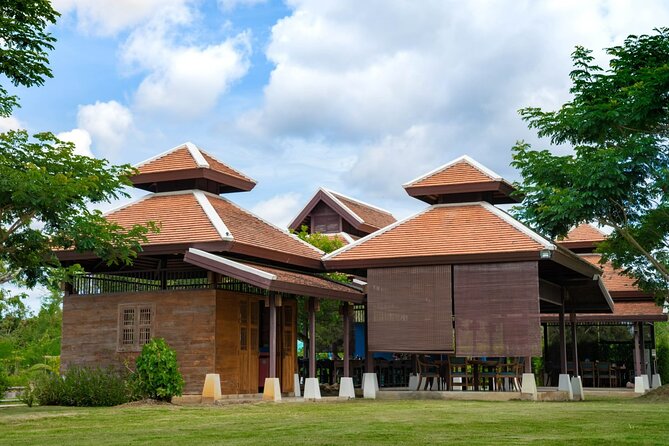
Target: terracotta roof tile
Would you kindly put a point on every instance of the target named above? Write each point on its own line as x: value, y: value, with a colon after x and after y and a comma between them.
x: 371, y: 215
x: 584, y: 233
x: 174, y: 160
x: 219, y: 166
x: 251, y: 230
x: 303, y: 278
x: 189, y: 225
x: 441, y: 230
x: 461, y: 172
x: 614, y: 280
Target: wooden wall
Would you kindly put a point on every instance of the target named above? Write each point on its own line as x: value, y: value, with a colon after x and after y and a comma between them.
x: 186, y: 319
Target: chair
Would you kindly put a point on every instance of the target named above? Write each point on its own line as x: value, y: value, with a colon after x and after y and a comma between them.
x: 458, y: 368
x: 606, y: 372
x: 488, y: 373
x: 427, y: 370
x: 510, y: 371
x: 588, y: 372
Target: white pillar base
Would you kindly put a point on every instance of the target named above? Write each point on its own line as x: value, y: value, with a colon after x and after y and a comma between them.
x: 577, y: 388
x: 529, y: 387
x: 646, y: 382
x: 346, y: 389
x: 296, y: 384
x: 312, y: 389
x: 657, y: 381
x: 564, y: 385
x: 370, y: 385
x: 413, y: 381
x: 211, y: 391
x: 638, y: 385
x: 272, y: 390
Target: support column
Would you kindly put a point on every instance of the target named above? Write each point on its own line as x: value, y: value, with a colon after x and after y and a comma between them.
x: 369, y: 359
x: 546, y: 372
x: 347, y: 338
x: 642, y: 344
x: 651, y: 327
x: 312, y: 337
x: 370, y: 383
x: 563, y: 340
x: 272, y: 388
x: 637, y: 352
x: 574, y: 342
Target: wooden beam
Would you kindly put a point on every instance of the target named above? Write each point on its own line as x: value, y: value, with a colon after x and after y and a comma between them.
x: 563, y: 338
x: 272, y: 335
x: 637, y: 352
x: 312, y: 337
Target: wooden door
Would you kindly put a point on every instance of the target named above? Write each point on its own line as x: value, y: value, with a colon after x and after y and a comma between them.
x: 288, y: 348
x: 249, y: 314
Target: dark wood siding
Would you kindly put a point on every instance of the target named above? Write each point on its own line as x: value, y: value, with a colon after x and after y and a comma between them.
x: 324, y: 219
x: 410, y: 309
x: 497, y: 309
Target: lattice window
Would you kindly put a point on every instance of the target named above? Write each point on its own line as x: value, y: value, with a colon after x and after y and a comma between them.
x: 135, y: 326
x: 243, y: 339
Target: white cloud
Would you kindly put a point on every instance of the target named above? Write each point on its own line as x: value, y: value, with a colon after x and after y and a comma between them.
x: 108, y: 17
x: 9, y: 123
x: 280, y: 209
x: 81, y: 139
x: 108, y: 124
x: 183, y: 80
x: 413, y: 86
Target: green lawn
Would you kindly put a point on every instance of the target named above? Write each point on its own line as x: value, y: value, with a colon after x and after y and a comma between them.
x: 355, y: 422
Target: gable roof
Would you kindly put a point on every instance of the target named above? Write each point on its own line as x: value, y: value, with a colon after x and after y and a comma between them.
x: 195, y: 218
x: 583, y: 236
x: 189, y: 162
x: 443, y: 233
x: 463, y: 175
x: 362, y: 216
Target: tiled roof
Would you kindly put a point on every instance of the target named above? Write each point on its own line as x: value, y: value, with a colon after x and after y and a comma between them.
x: 462, y: 170
x: 188, y: 156
x: 198, y: 217
x: 445, y: 230
x: 369, y: 214
x: 584, y: 233
x: 615, y: 281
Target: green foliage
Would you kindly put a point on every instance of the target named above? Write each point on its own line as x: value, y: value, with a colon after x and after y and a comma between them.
x: 320, y: 241
x: 157, y: 373
x: 82, y: 387
x: 618, y: 124
x: 662, y: 341
x: 45, y: 194
x: 4, y: 381
x: 25, y: 45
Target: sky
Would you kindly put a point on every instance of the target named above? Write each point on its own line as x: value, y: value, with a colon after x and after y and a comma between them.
x: 359, y: 96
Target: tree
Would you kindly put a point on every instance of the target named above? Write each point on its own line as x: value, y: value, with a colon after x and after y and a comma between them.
x: 329, y: 326
x: 25, y: 46
x: 45, y: 194
x: 618, y: 175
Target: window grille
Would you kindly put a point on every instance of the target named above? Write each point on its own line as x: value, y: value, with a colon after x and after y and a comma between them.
x: 135, y: 326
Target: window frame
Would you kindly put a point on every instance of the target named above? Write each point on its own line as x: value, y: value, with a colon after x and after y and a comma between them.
x: 137, y: 327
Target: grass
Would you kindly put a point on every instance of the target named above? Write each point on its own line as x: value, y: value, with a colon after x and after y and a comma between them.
x: 354, y: 422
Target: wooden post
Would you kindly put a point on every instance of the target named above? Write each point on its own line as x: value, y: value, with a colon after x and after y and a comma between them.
x: 642, y: 346
x: 545, y: 355
x: 637, y: 353
x: 574, y: 342
x: 652, y: 347
x: 272, y: 334
x: 347, y: 338
x: 369, y: 357
x: 563, y: 339
x: 312, y: 337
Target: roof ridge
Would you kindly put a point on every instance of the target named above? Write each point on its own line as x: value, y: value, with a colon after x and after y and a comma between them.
x: 215, y: 219
x: 343, y: 205
x: 464, y: 158
x: 360, y: 202
x: 284, y: 231
x: 375, y: 234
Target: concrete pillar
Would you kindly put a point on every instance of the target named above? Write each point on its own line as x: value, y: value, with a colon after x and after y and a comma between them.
x: 296, y: 384
x: 370, y: 385
x: 638, y: 385
x: 529, y: 387
x: 272, y: 390
x: 346, y: 389
x: 211, y: 391
x: 656, y: 382
x: 577, y: 388
x: 564, y: 385
x: 312, y: 389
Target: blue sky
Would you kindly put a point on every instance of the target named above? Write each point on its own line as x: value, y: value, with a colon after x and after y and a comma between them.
x: 357, y: 96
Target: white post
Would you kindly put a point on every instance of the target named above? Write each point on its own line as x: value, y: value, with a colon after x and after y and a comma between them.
x: 638, y: 385
x: 272, y: 390
x: 369, y: 385
x: 529, y: 387
x: 211, y: 391
x: 346, y: 389
x: 296, y: 384
x: 577, y: 388
x: 312, y: 389
x: 657, y: 382
x: 564, y: 385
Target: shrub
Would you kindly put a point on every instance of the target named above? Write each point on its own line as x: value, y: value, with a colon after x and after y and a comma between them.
x: 157, y: 375
x: 4, y: 382
x: 84, y: 387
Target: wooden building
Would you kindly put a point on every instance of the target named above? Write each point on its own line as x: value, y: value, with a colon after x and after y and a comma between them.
x: 464, y: 277
x: 217, y: 282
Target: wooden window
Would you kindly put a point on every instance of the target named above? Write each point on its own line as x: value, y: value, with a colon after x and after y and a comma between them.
x: 135, y: 326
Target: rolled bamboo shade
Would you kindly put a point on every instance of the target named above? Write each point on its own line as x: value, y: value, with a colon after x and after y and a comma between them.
x: 410, y: 309
x: 497, y: 309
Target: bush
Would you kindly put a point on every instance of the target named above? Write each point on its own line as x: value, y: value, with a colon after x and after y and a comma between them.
x: 4, y: 382
x: 83, y: 387
x: 157, y: 375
